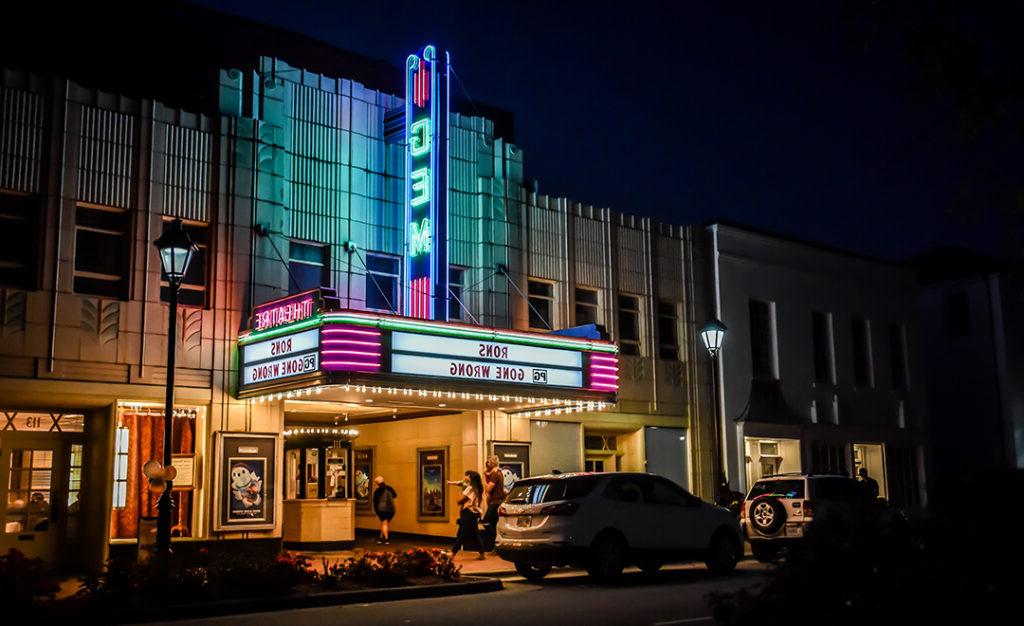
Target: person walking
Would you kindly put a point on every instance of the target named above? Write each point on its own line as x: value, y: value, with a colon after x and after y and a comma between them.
x: 494, y: 489
x: 384, y: 506
x: 469, y: 516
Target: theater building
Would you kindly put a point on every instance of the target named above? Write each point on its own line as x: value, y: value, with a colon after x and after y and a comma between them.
x: 376, y: 291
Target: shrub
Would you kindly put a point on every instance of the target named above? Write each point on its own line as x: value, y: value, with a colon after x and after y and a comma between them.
x: 24, y: 581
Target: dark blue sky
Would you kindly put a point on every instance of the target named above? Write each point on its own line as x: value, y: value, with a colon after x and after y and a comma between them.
x: 772, y: 114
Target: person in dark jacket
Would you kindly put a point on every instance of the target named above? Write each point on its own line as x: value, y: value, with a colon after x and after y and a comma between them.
x: 384, y: 506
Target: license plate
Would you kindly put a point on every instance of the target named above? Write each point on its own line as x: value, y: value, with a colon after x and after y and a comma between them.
x: 523, y: 521
x: 794, y: 530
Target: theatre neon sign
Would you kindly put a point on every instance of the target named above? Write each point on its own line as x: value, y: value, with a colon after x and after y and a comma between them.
x: 426, y: 184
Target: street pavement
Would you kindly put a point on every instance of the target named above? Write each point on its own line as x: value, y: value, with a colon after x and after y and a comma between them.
x: 675, y: 596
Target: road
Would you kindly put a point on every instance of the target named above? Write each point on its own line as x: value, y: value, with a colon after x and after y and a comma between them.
x: 675, y: 596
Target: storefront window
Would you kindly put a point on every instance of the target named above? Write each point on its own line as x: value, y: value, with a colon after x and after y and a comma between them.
x: 139, y: 438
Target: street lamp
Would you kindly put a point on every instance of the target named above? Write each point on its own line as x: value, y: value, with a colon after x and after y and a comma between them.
x: 713, y: 335
x: 176, y: 249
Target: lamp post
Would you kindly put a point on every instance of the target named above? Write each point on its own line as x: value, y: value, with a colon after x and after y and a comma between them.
x: 176, y: 250
x: 713, y: 334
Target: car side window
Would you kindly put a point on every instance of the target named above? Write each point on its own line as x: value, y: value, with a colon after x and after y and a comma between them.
x: 669, y: 493
x: 627, y: 490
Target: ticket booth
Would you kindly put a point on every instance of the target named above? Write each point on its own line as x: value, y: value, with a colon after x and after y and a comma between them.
x: 319, y: 508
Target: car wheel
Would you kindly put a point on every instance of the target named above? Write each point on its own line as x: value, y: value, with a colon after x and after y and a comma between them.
x: 764, y: 551
x: 608, y: 559
x: 767, y: 515
x: 649, y: 566
x: 533, y: 571
x: 723, y: 553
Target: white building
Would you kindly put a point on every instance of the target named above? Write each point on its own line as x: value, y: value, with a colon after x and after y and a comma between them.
x: 818, y: 371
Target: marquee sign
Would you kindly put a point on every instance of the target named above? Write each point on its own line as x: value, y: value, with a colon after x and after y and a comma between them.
x: 426, y: 184
x: 296, y: 308
x: 285, y: 356
x: 474, y: 360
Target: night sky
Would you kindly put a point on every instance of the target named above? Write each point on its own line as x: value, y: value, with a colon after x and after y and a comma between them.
x: 784, y: 116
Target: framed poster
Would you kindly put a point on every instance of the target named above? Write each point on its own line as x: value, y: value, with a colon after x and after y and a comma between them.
x: 185, y: 464
x: 513, y: 459
x: 244, y: 493
x: 432, y: 466
x: 363, y: 482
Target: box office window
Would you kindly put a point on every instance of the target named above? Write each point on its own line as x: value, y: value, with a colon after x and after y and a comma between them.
x: 139, y: 438
x: 383, y: 275
x: 102, y: 251
x: 20, y: 240
x: 308, y: 266
x: 586, y: 306
x: 456, y: 287
x: 542, y: 304
x: 193, y: 290
x: 629, y: 324
x: 668, y: 331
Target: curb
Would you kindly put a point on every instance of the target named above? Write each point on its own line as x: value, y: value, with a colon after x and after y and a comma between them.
x: 466, y: 585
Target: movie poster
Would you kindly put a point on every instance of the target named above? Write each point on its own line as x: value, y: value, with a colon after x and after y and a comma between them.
x: 514, y: 461
x: 244, y: 481
x: 364, y: 478
x: 246, y: 502
x: 433, y: 472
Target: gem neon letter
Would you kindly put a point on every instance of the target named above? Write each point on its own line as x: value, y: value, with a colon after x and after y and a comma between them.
x: 419, y: 137
x: 420, y: 186
x: 419, y: 238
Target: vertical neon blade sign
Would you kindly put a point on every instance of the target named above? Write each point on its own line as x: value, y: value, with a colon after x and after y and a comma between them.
x: 426, y: 184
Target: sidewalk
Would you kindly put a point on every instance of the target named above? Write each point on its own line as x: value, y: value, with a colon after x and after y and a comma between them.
x: 490, y: 566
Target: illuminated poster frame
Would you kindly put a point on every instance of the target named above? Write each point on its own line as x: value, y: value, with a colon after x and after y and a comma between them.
x: 427, y: 109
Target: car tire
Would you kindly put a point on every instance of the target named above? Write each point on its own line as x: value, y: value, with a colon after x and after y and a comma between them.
x: 767, y: 515
x: 649, y: 566
x: 533, y: 571
x: 724, y: 552
x: 607, y: 560
x: 764, y: 551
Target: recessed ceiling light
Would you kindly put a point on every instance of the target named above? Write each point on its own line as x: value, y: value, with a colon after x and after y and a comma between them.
x: 442, y: 404
x: 369, y: 400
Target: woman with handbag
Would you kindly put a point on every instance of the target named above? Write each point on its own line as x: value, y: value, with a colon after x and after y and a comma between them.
x: 469, y: 516
x: 384, y: 506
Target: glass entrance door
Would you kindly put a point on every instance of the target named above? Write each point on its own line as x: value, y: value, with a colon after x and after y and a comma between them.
x: 34, y: 494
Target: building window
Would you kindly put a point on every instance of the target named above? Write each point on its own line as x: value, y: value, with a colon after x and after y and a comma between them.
x: 308, y: 266
x: 862, y: 374
x: 629, y: 325
x: 824, y: 348
x: 120, y: 467
x: 542, y: 304
x: 586, y: 306
x: 193, y: 286
x: 383, y: 275
x: 456, y: 287
x: 668, y: 331
x: 19, y: 240
x: 898, y: 356
x: 102, y: 251
x: 958, y: 306
x: 762, y: 340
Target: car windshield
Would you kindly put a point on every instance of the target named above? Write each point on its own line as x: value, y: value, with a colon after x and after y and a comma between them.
x: 781, y: 488
x: 551, y: 490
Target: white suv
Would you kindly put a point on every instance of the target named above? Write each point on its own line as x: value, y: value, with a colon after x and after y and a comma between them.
x: 606, y: 521
x: 779, y: 509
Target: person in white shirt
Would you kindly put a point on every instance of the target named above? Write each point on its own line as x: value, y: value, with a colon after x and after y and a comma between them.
x: 469, y: 516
